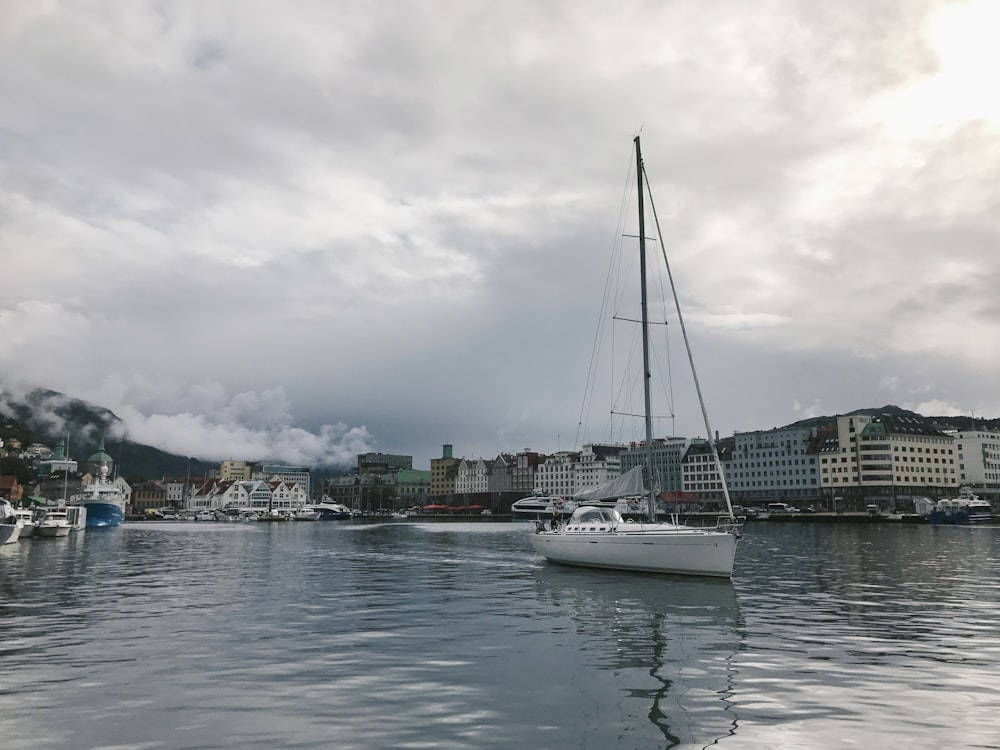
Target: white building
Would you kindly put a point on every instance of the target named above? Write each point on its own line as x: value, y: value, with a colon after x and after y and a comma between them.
x: 472, y: 476
x: 977, y: 453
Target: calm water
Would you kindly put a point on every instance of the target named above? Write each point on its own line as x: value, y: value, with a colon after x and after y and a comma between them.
x: 317, y: 635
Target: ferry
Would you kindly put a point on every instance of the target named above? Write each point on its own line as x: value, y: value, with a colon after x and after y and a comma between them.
x: 965, y: 509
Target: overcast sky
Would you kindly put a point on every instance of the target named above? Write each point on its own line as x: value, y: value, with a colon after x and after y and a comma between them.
x: 304, y: 230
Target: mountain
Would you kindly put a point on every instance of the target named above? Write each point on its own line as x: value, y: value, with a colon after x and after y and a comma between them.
x: 941, y: 423
x: 46, y: 417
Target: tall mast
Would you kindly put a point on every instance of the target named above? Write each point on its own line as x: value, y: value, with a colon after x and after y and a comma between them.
x: 651, y: 503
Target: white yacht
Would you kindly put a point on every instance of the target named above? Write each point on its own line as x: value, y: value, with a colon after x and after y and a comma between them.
x: 598, y: 535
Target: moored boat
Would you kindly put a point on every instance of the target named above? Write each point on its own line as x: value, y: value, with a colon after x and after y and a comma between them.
x: 967, y: 508
x: 331, y: 511
x: 26, y: 522
x: 54, y: 523
x: 103, y: 499
x: 10, y: 525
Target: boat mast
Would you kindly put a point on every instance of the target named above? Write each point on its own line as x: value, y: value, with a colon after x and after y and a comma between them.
x: 646, y: 377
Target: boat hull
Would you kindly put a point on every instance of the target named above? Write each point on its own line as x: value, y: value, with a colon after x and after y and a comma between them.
x: 682, y: 552
x: 960, y: 517
x: 9, y: 533
x: 51, y: 531
x: 103, y: 514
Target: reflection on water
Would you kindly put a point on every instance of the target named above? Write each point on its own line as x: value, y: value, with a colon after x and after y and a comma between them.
x: 399, y: 635
x: 670, y: 642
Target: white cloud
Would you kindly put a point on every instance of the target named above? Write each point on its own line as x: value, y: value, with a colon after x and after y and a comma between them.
x: 399, y: 215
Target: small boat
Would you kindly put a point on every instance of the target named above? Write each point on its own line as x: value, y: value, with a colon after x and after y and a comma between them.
x: 26, y: 520
x: 10, y: 525
x: 54, y: 523
x: 597, y: 535
x: 542, y: 506
x: 306, y: 513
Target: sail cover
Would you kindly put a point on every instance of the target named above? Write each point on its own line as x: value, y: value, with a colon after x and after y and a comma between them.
x: 629, y: 484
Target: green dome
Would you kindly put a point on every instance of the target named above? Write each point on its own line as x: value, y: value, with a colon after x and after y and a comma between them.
x: 101, y: 457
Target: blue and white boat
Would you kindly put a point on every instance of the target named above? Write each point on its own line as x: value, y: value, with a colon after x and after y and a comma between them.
x: 104, y: 501
x: 965, y: 509
x: 329, y: 510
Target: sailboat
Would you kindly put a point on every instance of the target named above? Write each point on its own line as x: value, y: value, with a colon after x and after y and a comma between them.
x: 598, y: 536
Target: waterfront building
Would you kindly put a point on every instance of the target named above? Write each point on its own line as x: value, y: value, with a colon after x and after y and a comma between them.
x: 444, y: 471
x: 523, y: 470
x: 598, y: 463
x: 555, y: 475
x: 778, y: 465
x: 147, y: 496
x: 700, y: 473
x: 500, y: 474
x: 885, y: 459
x: 234, y: 471
x: 977, y: 454
x: 566, y: 473
x: 668, y: 457
x: 413, y: 487
x: 471, y: 477
x: 175, y: 490
x: 294, y: 474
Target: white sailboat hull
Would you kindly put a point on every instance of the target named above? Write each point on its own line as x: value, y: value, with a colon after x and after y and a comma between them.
x: 652, y: 548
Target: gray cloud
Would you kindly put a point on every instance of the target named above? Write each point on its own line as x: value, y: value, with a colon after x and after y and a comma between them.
x: 342, y: 226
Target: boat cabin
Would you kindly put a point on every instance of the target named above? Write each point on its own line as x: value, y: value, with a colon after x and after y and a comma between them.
x: 591, y: 518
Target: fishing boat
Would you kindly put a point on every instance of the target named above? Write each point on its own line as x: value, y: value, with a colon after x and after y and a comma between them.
x: 597, y: 535
x: 103, y: 499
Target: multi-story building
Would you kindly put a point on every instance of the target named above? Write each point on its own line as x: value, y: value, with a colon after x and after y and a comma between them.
x: 700, y: 473
x: 977, y: 453
x: 885, y: 459
x: 556, y: 474
x: 147, y: 496
x: 566, y: 473
x: 176, y: 490
x: 522, y: 472
x: 668, y: 456
x: 500, y: 474
x: 294, y: 474
x: 598, y: 463
x: 234, y: 471
x: 413, y: 487
x: 383, y: 463
x: 444, y: 471
x: 471, y: 476
x: 773, y: 465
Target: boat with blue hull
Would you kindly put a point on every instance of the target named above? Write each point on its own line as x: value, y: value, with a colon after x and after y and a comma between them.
x: 329, y: 510
x: 967, y: 508
x: 104, y: 501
